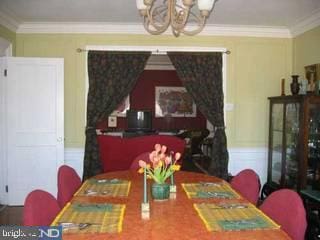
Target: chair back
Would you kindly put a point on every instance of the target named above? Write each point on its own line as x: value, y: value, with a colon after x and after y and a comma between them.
x: 195, y: 139
x: 68, y: 183
x: 286, y: 208
x: 247, y: 183
x: 143, y: 156
x: 40, y: 209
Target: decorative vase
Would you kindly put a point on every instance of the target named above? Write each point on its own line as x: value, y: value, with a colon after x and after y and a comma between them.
x: 294, y: 86
x: 160, y: 191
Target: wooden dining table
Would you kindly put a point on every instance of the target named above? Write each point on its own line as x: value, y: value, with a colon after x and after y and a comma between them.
x: 175, y: 218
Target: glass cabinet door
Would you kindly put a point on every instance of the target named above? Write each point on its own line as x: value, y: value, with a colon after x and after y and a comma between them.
x: 313, y: 168
x: 291, y: 148
x: 277, y: 139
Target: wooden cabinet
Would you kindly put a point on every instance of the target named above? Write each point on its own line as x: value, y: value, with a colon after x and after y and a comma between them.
x: 294, y: 143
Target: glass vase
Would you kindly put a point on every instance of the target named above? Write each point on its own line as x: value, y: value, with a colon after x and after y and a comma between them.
x: 160, y: 191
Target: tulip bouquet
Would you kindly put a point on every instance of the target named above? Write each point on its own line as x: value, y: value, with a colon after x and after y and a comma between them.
x: 161, y: 165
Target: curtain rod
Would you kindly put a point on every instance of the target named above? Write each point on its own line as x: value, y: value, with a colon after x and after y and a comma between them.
x: 157, y: 51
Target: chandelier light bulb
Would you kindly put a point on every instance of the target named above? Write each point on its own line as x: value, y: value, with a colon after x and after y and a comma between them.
x: 140, y: 5
x: 205, y: 5
x: 159, y: 15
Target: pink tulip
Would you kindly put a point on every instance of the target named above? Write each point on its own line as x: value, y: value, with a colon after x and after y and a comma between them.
x: 152, y: 155
x: 142, y: 164
x: 156, y: 163
x: 167, y: 160
x: 177, y: 156
x: 163, y: 149
x: 162, y: 156
x: 157, y: 147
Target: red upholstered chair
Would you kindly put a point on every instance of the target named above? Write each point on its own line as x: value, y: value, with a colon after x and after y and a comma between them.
x: 247, y: 183
x: 68, y: 183
x: 286, y: 208
x: 143, y: 156
x: 40, y: 209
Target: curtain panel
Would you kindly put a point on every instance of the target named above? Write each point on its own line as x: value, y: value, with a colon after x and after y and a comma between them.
x: 112, y: 76
x: 201, y: 74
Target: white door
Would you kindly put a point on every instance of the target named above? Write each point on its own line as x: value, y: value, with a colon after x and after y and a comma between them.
x: 35, y: 125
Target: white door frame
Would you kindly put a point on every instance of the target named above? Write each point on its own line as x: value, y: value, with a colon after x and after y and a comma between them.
x: 5, y: 47
x: 3, y: 136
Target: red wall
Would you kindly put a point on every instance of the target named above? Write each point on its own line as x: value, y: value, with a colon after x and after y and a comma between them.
x: 142, y: 97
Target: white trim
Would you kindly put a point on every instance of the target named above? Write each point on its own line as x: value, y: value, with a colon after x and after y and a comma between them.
x: 73, y: 157
x: 8, y: 21
x: 112, y: 28
x: 159, y: 67
x: 3, y: 135
x: 306, y: 25
x: 8, y: 52
x: 153, y: 49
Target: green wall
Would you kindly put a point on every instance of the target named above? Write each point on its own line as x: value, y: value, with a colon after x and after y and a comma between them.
x: 254, y: 70
x: 306, y: 48
x: 10, y: 36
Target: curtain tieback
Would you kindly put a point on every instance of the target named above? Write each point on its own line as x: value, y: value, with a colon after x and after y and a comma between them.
x: 215, y: 129
x: 90, y: 128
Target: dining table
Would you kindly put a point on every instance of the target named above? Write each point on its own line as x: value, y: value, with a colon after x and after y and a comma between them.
x: 115, y: 198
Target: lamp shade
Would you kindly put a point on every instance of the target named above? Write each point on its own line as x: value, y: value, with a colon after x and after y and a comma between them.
x: 141, y: 5
x: 206, y: 5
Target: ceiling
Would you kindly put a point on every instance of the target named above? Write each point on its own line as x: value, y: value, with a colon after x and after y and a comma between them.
x: 255, y: 13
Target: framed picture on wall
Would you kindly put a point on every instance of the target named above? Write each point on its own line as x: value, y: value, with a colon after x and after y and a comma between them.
x: 122, y: 108
x: 174, y: 101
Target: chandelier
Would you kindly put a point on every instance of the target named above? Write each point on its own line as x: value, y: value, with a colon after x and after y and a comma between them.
x: 181, y: 15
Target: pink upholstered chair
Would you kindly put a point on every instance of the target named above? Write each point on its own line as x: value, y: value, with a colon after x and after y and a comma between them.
x: 40, y: 209
x: 68, y: 183
x: 143, y: 156
x: 247, y: 183
x: 286, y: 208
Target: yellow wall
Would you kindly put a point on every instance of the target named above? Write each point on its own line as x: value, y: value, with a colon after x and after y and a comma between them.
x: 8, y: 35
x: 254, y: 70
x: 306, y: 48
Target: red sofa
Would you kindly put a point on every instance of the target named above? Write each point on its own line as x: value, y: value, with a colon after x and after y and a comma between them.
x: 117, y: 153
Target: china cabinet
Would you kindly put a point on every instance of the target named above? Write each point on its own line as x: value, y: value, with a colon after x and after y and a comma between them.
x: 294, y: 143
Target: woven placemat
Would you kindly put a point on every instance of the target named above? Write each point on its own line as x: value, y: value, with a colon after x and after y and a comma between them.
x: 105, y: 187
x: 91, y: 218
x: 238, y: 217
x: 210, y: 190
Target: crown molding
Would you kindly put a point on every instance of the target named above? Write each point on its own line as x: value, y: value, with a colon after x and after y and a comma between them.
x: 9, y: 21
x: 105, y: 28
x: 246, y: 31
x: 306, y: 24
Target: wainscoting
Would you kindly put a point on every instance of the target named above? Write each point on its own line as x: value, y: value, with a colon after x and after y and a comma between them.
x: 73, y: 157
x: 254, y: 158
x: 239, y: 159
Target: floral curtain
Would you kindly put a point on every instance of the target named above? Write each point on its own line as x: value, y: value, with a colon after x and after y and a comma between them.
x: 112, y: 76
x: 201, y: 74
